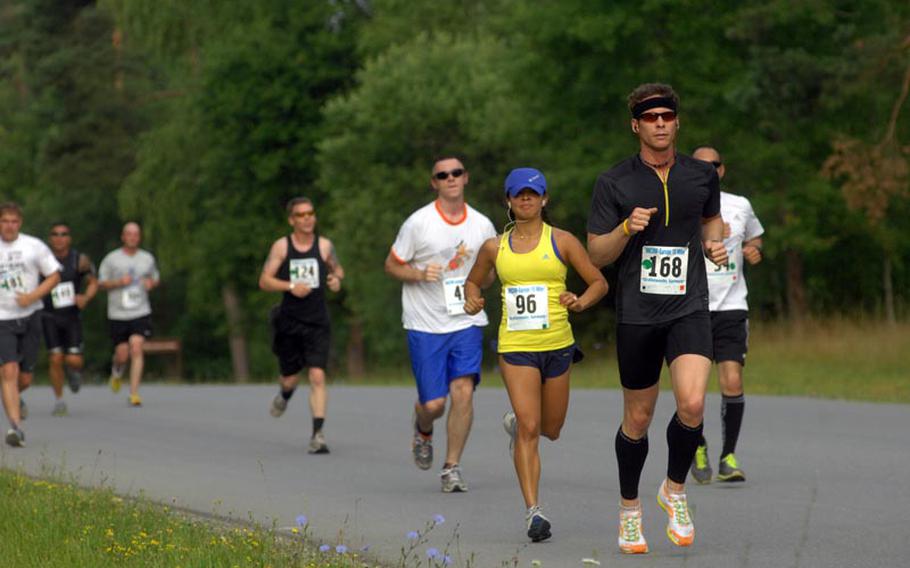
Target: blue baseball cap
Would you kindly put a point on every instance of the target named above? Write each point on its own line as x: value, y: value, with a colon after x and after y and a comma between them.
x: 525, y: 178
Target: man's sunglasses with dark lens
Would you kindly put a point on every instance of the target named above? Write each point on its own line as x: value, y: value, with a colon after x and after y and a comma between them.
x: 668, y: 116
x: 456, y: 173
x: 717, y: 164
x: 59, y: 234
x: 304, y: 213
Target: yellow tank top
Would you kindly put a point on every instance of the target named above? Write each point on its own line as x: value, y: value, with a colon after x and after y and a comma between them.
x: 532, y: 317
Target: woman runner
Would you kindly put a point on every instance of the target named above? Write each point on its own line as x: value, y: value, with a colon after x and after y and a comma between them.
x: 536, y: 345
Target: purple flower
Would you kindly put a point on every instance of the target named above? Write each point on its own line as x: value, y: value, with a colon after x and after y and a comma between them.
x: 324, y: 548
x: 432, y: 553
x: 364, y: 548
x: 438, y: 519
x: 341, y: 549
x: 447, y: 560
x: 302, y: 520
x: 413, y: 535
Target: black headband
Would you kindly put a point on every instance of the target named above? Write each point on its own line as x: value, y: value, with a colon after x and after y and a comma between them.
x: 654, y: 102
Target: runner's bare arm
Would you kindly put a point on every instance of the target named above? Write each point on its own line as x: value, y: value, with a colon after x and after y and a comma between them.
x: 752, y: 250
x: 336, y: 272
x: 712, y: 235
x: 401, y: 270
x: 576, y: 256
x: 91, y: 282
x: 43, y: 289
x: 606, y: 248
x: 480, y: 273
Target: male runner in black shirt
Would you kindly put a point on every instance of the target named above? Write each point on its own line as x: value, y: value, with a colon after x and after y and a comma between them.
x: 657, y: 214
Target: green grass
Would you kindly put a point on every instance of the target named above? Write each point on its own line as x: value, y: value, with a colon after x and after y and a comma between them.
x: 45, y: 523
x: 834, y: 358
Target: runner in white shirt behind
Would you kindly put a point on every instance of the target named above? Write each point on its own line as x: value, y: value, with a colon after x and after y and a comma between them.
x: 23, y: 260
x: 729, y: 322
x: 432, y: 256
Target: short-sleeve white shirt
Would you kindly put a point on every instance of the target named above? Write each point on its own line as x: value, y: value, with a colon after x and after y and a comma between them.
x: 22, y: 263
x: 726, y: 285
x: 427, y: 237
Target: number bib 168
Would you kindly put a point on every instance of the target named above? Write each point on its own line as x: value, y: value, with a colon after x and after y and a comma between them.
x: 527, y: 307
x: 63, y: 295
x: 663, y: 270
x: 305, y: 271
x: 453, y: 288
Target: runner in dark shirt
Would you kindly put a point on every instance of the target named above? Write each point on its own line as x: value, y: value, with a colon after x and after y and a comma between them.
x: 657, y: 214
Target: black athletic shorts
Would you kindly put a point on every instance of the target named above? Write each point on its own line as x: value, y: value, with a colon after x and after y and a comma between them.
x: 550, y: 363
x: 122, y: 330
x: 642, y: 349
x: 20, y: 341
x: 299, y: 345
x: 731, y: 335
x: 62, y: 332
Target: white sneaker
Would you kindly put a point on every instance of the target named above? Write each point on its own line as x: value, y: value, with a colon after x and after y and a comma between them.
x: 680, y: 529
x: 510, y: 425
x: 631, y: 539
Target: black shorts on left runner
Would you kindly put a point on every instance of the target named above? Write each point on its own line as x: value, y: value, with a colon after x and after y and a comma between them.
x: 730, y: 329
x: 62, y: 332
x: 20, y: 341
x: 299, y: 345
x: 642, y: 349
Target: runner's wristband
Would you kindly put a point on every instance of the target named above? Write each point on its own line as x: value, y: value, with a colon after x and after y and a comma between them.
x: 290, y: 286
x: 625, y: 228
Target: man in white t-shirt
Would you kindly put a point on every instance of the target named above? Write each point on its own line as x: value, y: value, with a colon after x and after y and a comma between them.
x: 729, y: 322
x: 23, y: 261
x: 128, y: 274
x: 432, y: 255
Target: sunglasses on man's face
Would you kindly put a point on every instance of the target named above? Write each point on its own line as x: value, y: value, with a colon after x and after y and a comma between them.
x: 59, y: 234
x: 668, y: 116
x: 456, y: 173
x: 716, y: 164
x: 304, y: 214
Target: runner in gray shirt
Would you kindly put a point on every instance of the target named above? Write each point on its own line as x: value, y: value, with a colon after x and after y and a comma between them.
x: 128, y: 274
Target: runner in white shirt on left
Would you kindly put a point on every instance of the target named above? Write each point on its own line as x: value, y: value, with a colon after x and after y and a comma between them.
x: 23, y: 260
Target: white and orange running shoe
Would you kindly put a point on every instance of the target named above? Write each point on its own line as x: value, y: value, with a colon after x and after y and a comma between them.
x: 680, y: 529
x: 631, y: 539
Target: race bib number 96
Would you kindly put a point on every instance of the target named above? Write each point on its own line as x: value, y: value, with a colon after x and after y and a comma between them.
x: 305, y: 271
x: 527, y: 307
x: 663, y: 270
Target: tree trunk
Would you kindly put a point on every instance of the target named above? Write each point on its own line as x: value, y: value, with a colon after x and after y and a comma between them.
x: 356, y: 365
x: 796, y: 288
x: 888, y: 289
x: 240, y: 359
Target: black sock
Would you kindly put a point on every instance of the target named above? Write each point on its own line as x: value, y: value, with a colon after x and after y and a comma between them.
x: 417, y: 425
x: 731, y: 416
x: 630, y: 455
x: 317, y: 424
x: 287, y: 394
x: 682, y: 441
x: 702, y: 441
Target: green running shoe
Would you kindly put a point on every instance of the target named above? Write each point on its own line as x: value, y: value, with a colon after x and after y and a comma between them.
x: 701, y: 466
x: 729, y: 469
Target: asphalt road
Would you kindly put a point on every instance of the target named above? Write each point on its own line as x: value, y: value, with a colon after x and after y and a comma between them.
x: 828, y: 481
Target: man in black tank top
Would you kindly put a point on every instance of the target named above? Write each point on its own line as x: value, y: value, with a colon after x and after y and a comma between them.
x: 657, y: 214
x: 62, y: 320
x: 301, y: 266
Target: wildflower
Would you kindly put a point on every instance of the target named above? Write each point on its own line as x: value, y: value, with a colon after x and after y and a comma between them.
x: 438, y: 519
x: 432, y: 553
x: 341, y: 549
x: 295, y: 530
x: 302, y: 520
x: 447, y: 560
x: 413, y: 535
x: 364, y: 548
x: 324, y: 548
